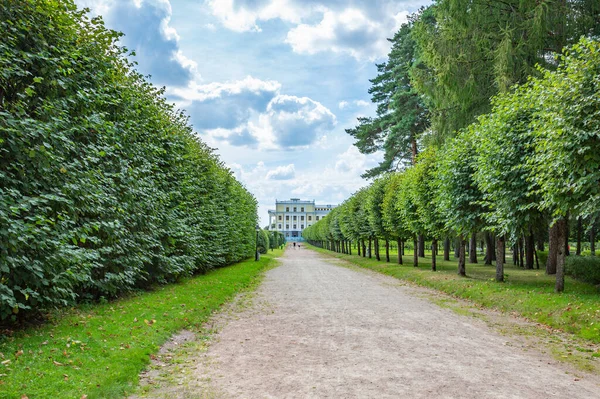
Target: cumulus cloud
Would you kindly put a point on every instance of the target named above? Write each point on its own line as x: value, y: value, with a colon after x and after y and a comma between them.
x: 203, y: 92
x: 350, y: 32
x: 225, y: 105
x: 243, y: 16
x: 351, y: 161
x: 147, y: 32
x: 282, y: 173
x: 296, y: 121
x: 358, y: 28
x: 252, y: 113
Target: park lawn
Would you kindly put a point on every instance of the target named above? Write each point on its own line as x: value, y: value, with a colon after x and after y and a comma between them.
x: 528, y: 293
x: 99, y: 350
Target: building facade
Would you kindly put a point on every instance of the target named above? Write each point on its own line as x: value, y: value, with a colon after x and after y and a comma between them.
x: 291, y: 216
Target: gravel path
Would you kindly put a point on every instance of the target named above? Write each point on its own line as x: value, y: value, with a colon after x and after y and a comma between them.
x: 317, y: 330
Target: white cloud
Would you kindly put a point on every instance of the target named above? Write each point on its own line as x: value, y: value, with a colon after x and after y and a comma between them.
x: 146, y: 24
x: 285, y: 122
x: 282, y: 173
x: 245, y: 17
x: 351, y: 161
x: 202, y: 92
x: 350, y: 32
x: 359, y: 28
x: 355, y: 103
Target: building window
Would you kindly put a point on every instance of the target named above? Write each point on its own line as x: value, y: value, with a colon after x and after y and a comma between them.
x: 287, y: 226
x: 295, y: 217
x: 287, y: 217
x: 310, y: 218
x: 317, y: 218
x: 302, y: 226
x: 287, y: 208
x: 302, y: 209
x: 295, y: 209
x: 280, y: 217
x: 287, y: 234
x: 279, y: 226
x: 294, y: 226
x: 301, y: 217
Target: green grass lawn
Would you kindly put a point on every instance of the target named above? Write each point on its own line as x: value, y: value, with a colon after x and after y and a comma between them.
x: 99, y: 350
x: 528, y: 293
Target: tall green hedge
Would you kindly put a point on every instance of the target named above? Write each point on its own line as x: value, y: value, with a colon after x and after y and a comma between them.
x: 104, y: 187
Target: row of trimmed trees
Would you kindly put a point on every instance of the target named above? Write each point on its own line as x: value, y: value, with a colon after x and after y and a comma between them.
x: 104, y: 187
x: 531, y: 163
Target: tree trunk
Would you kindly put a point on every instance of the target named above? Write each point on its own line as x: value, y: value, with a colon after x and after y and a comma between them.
x: 567, y: 249
x: 399, y: 242
x: 421, y: 245
x: 540, y: 241
x: 358, y: 247
x: 473, y: 248
x: 457, y: 248
x: 499, y: 259
x: 387, y: 250
x: 447, y: 249
x: 403, y: 248
x: 377, y: 249
x: 350, y: 247
x: 579, y: 228
x: 433, y: 254
x: 552, y: 250
x: 415, y: 253
x: 529, y: 248
x: 364, y: 248
x: 521, y: 252
x: 369, y: 250
x: 461, y: 257
x: 515, y: 252
x: 561, y: 227
x: 488, y: 248
x: 593, y: 239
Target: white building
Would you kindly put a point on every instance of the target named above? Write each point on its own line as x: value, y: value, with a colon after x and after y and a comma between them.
x: 291, y: 216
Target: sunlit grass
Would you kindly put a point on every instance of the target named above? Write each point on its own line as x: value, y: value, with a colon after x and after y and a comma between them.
x: 99, y: 350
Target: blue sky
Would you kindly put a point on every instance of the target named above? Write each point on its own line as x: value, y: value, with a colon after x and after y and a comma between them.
x: 270, y: 84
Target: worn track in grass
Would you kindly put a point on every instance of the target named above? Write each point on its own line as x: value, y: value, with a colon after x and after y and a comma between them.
x: 317, y: 330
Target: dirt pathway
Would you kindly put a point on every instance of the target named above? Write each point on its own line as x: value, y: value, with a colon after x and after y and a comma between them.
x: 317, y: 330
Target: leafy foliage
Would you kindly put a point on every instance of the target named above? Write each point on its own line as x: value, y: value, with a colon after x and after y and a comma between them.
x: 104, y: 187
x: 474, y: 50
x: 566, y: 165
x: 584, y: 268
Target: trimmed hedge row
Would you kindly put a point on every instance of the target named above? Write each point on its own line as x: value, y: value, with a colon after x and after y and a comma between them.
x: 584, y: 268
x: 104, y: 187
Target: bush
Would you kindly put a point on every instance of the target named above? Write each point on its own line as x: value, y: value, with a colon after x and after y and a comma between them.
x: 583, y: 268
x: 104, y: 187
x: 542, y: 258
x: 263, y: 241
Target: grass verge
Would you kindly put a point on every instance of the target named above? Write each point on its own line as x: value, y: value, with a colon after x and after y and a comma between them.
x: 99, y: 351
x: 526, y: 293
